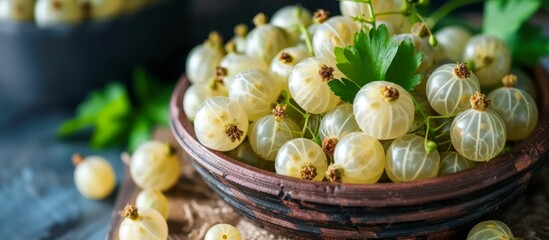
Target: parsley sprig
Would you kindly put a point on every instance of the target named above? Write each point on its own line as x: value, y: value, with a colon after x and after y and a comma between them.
x: 375, y: 56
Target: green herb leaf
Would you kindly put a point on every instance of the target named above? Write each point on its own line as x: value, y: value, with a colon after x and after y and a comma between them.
x: 344, y: 88
x: 375, y: 57
x: 507, y: 19
x: 111, y: 123
x: 100, y: 105
x: 140, y: 133
x: 115, y: 121
x: 503, y: 18
x: 402, y: 70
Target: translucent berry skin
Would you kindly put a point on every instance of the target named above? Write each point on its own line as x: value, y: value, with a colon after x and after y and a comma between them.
x: 235, y: 63
x: 154, y: 166
x: 149, y: 226
x: 361, y: 157
x: 202, y: 61
x: 452, y: 162
x: 379, y: 117
x: 280, y: 69
x: 255, y: 91
x: 338, y: 31
x: 478, y: 135
x: 449, y: 94
x: 297, y: 153
x: 420, y: 45
x: 338, y: 122
x: 223, y: 232
x: 353, y: 9
x: 197, y: 94
x: 288, y: 19
x: 212, y: 119
x: 265, y: 41
x: 153, y: 199
x: 491, y: 229
x: 518, y: 110
x: 407, y: 160
x: 94, y: 177
x: 491, y: 56
x: 245, y: 153
x: 308, y: 88
x: 268, y: 135
x: 451, y: 41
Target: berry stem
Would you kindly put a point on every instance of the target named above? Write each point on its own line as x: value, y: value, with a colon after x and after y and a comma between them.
x: 372, y: 14
x: 392, y: 13
x: 418, y: 15
x: 307, y: 39
x: 126, y: 158
x: 429, y: 131
x: 77, y: 158
x: 305, y: 124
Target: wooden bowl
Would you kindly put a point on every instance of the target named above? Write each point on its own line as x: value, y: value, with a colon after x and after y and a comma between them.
x: 437, y: 208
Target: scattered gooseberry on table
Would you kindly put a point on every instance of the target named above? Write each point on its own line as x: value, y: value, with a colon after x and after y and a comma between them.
x: 153, y: 199
x: 154, y: 165
x: 223, y: 231
x: 142, y: 224
x: 93, y: 176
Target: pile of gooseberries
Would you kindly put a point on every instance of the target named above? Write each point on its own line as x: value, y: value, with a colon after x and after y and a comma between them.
x: 265, y: 98
x: 154, y: 167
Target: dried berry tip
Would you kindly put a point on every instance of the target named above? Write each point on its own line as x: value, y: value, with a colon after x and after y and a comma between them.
x: 77, y: 158
x: 241, y: 30
x: 308, y: 172
x: 56, y: 4
x: 487, y: 60
x: 285, y: 57
x: 326, y: 73
x: 129, y: 211
x: 420, y: 29
x: 220, y: 73
x: 462, y: 71
x: 171, y: 149
x: 279, y: 112
x: 510, y: 81
x: 260, y: 19
x: 321, y: 16
x: 390, y: 93
x: 328, y: 145
x: 333, y: 174
x: 480, y: 102
x: 233, y: 133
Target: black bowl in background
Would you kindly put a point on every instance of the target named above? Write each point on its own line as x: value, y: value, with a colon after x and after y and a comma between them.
x: 58, y: 66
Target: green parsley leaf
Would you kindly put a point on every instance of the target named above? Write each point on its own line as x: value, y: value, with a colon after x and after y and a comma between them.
x: 402, y: 71
x: 503, y: 18
x: 508, y: 20
x: 373, y: 57
x: 115, y: 120
x: 344, y: 88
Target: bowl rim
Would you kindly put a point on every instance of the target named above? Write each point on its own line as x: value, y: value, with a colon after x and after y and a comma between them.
x: 514, y: 165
